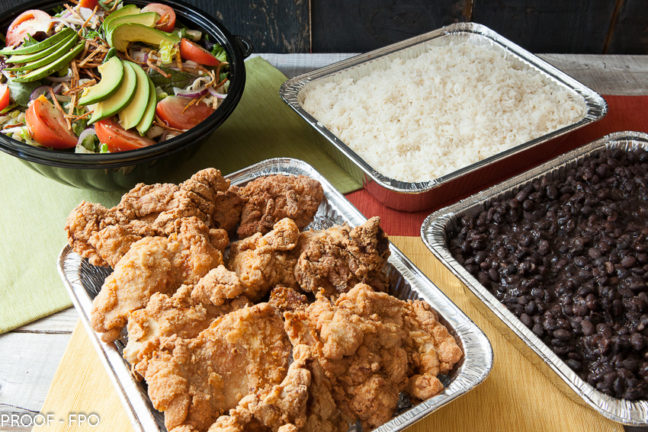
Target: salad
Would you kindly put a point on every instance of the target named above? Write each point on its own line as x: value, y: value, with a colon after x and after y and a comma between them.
x: 105, y: 76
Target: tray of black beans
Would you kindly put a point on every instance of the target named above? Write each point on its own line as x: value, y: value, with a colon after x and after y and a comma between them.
x: 560, y: 255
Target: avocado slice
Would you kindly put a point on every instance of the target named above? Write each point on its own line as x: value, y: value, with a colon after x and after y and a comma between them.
x: 129, y: 9
x: 30, y: 49
x: 147, y: 119
x: 63, y: 47
x: 50, y: 68
x: 119, y: 99
x: 26, y: 58
x: 130, y: 116
x: 123, y: 34
x: 148, y: 19
x: 112, y: 73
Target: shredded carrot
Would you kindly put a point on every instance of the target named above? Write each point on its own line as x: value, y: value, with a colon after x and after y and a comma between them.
x: 90, y: 74
x: 79, y: 117
x: 88, y: 58
x: 72, y: 104
x: 155, y: 68
x: 93, y: 65
x: 178, y: 59
x: 193, y: 101
x: 13, y: 125
x: 159, y: 122
x: 163, y: 21
x: 73, y: 11
x: 85, y: 48
x: 94, y: 11
x: 58, y: 106
x: 80, y: 87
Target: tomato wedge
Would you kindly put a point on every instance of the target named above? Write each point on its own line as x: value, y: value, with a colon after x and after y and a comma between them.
x: 47, y: 125
x: 27, y: 23
x: 4, y: 96
x: 194, y: 52
x: 90, y: 4
x: 119, y: 139
x: 167, y: 15
x: 173, y: 111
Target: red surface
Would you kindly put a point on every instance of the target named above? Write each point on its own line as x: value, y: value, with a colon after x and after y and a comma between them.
x: 624, y: 113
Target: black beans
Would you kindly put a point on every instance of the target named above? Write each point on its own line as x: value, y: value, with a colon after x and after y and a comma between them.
x: 569, y: 257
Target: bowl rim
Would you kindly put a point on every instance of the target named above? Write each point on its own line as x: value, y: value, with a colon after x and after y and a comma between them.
x: 190, y: 14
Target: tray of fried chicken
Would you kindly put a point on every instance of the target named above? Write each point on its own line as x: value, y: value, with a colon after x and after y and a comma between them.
x: 263, y: 301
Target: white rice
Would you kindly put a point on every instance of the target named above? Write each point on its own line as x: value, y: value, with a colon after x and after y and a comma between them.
x: 450, y: 106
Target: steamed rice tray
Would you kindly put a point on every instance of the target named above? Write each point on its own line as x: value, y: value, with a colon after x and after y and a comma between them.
x: 419, y: 117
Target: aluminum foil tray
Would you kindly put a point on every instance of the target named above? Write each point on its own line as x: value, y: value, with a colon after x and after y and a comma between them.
x: 424, y: 195
x: 433, y: 232
x: 84, y: 281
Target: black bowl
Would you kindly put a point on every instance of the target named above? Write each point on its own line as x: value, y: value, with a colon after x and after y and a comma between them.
x: 118, y: 171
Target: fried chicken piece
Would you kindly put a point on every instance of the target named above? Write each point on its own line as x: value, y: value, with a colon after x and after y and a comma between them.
x: 302, y: 402
x: 372, y: 346
x: 185, y: 314
x: 153, y: 264
x: 338, y: 258
x: 261, y: 262
x: 287, y: 299
x: 271, y: 198
x: 104, y: 235
x: 196, y: 380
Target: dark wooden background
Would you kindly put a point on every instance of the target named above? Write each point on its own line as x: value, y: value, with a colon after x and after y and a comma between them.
x: 542, y: 26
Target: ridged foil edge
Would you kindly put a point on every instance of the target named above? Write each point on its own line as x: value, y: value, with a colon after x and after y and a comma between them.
x: 478, y: 354
x: 433, y: 233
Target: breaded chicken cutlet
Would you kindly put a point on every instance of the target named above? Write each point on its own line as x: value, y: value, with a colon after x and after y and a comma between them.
x: 151, y: 265
x: 196, y: 380
x: 372, y: 346
x: 271, y: 198
x: 104, y: 235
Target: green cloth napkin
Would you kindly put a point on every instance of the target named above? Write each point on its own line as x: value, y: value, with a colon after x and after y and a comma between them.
x: 34, y: 208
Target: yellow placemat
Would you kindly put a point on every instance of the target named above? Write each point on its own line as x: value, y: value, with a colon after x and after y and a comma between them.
x: 34, y: 208
x: 515, y: 397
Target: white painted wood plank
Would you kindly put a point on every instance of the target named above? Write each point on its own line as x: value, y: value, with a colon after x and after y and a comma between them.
x: 60, y: 323
x: 27, y: 365
x: 608, y: 74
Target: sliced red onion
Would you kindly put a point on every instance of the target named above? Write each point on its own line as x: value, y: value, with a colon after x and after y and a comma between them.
x: 139, y: 56
x: 57, y: 88
x: 60, y: 79
x: 85, y: 134
x: 189, y: 93
x: 217, y: 95
x: 40, y: 90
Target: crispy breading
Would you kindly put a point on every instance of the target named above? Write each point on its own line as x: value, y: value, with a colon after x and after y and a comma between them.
x: 301, y: 402
x: 261, y: 262
x: 194, y: 381
x: 153, y: 264
x: 184, y: 314
x: 336, y: 259
x: 287, y: 299
x: 372, y: 346
x: 271, y: 198
x: 104, y: 235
